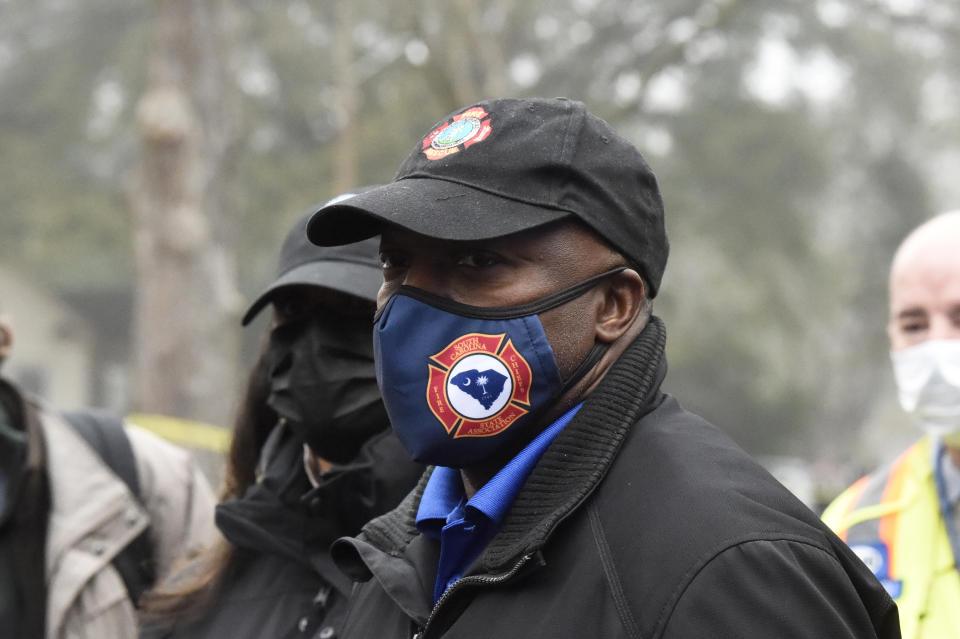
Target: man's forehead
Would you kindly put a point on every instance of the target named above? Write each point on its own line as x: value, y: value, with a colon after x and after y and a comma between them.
x: 931, y: 262
x: 933, y: 242
x: 925, y: 278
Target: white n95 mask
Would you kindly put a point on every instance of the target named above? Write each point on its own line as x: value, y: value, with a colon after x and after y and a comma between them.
x: 928, y: 381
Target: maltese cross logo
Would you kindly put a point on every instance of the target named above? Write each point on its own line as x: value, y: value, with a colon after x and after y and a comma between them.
x: 479, y: 385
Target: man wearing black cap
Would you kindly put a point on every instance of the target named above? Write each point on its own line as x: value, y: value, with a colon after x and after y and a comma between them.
x: 521, y: 244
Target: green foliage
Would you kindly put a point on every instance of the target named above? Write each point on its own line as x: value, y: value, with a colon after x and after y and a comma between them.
x: 64, y: 213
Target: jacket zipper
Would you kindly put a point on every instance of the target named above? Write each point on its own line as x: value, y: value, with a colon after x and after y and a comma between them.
x: 478, y: 580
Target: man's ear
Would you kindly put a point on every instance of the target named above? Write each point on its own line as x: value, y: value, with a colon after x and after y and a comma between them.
x: 6, y: 333
x: 623, y: 298
x: 6, y: 338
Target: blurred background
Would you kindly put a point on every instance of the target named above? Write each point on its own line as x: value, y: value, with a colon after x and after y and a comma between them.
x: 154, y: 152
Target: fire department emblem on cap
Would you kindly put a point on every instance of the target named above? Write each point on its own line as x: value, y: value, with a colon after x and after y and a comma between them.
x: 460, y: 132
x: 479, y: 385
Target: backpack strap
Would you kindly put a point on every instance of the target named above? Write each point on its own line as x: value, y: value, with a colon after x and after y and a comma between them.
x: 105, y: 434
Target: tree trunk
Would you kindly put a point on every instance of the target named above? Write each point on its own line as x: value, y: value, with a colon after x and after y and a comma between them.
x: 187, y: 303
x: 347, y: 165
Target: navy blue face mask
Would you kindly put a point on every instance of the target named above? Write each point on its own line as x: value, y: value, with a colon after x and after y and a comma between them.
x: 461, y: 382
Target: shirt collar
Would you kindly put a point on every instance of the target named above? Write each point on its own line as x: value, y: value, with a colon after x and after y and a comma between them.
x: 444, y: 490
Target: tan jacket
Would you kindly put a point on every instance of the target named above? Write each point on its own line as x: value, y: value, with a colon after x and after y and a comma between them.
x: 93, y: 516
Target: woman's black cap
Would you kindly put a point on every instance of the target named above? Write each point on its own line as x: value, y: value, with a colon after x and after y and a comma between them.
x: 352, y: 268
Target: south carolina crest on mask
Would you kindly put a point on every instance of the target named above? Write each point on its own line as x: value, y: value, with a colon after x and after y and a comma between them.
x: 459, y: 382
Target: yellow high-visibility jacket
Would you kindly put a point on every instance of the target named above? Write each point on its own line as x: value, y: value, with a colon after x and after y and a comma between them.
x: 891, y: 519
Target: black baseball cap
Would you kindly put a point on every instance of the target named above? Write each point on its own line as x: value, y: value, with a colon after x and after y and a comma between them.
x: 507, y: 165
x: 350, y: 268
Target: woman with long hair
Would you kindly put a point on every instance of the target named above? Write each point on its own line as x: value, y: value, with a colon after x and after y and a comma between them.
x: 312, y: 459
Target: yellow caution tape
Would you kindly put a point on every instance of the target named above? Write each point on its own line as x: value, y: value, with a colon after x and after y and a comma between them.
x: 184, y: 431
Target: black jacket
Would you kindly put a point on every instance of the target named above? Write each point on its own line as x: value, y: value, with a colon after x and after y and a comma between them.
x: 640, y: 520
x: 24, y: 515
x: 281, y: 582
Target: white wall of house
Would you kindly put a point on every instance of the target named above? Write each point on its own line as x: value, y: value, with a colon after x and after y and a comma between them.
x: 53, y: 347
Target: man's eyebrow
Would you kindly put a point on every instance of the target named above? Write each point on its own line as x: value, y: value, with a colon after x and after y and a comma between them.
x: 911, y: 313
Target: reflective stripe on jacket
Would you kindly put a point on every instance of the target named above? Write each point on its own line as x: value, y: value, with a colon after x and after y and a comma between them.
x: 891, y: 519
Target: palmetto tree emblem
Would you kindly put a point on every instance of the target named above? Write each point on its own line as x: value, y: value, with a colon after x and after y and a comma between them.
x: 479, y: 385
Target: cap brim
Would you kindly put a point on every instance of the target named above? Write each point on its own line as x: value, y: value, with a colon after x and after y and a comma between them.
x: 436, y: 208
x: 339, y: 275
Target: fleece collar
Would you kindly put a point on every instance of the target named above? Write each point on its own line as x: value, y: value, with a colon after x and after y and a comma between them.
x: 570, y: 469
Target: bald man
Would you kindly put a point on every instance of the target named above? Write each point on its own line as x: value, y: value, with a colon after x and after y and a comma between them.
x: 903, y: 519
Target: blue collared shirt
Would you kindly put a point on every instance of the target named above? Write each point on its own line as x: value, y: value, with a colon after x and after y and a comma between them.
x: 464, y: 526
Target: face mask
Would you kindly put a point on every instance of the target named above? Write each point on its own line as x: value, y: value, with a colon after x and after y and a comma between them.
x: 462, y: 382
x: 928, y: 380
x: 322, y: 382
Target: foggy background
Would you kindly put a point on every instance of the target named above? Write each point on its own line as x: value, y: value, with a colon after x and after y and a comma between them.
x: 154, y: 152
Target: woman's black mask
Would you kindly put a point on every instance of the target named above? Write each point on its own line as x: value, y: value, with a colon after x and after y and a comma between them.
x: 323, y: 383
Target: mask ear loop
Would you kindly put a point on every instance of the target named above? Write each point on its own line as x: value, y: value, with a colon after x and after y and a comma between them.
x: 596, y: 352
x: 585, y: 366
x: 505, y: 312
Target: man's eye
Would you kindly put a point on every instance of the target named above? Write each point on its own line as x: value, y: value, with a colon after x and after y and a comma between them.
x: 913, y: 327
x: 477, y: 260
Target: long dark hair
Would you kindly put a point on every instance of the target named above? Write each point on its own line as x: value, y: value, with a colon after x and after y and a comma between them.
x: 196, y: 581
